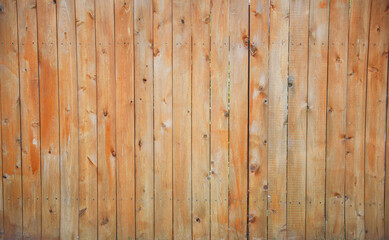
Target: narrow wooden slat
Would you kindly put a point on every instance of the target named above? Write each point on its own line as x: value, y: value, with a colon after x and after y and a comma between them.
x: 200, y: 118
x: 258, y: 113
x: 163, y: 94
x: 297, y: 118
x: 316, y: 123
x: 336, y: 118
x: 49, y: 115
x: 377, y: 76
x: 106, y: 116
x: 68, y: 118
x: 219, y: 118
x: 29, y: 98
x: 10, y: 120
x: 143, y: 19
x: 124, y: 33
x: 86, y: 66
x: 355, y: 118
x: 238, y: 185
x: 277, y: 128
x: 182, y: 113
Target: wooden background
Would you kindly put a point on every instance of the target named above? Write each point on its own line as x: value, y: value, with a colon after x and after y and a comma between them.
x: 161, y: 119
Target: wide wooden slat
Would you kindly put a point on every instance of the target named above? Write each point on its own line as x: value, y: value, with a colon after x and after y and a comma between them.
x: 125, y: 109
x: 219, y: 118
x: 163, y: 118
x: 30, y: 128
x: 87, y: 110
x: 200, y: 118
x: 182, y: 219
x: 336, y: 118
x: 376, y: 97
x: 355, y: 118
x: 49, y: 115
x: 143, y: 41
x: 277, y: 128
x: 316, y: 123
x: 258, y: 116
x: 297, y: 118
x: 10, y: 120
x: 68, y: 118
x: 238, y: 129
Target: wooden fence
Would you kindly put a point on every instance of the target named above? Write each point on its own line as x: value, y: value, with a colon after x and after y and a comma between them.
x: 161, y: 119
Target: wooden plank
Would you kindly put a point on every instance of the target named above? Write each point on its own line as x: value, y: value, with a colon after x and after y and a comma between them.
x: 375, y: 120
x: 163, y: 118
x: 87, y: 110
x: 125, y: 110
x: 143, y: 41
x: 10, y: 119
x: 106, y: 117
x: 278, y: 90
x: 49, y: 115
x: 30, y: 129
x: 355, y: 118
x: 336, y: 118
x: 238, y: 185
x: 200, y: 118
x: 258, y: 114
x: 182, y: 112
x: 297, y: 118
x: 316, y: 123
x: 219, y: 118
x: 68, y: 118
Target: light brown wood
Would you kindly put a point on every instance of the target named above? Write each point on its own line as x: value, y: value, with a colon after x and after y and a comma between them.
x: 30, y: 123
x: 336, y: 118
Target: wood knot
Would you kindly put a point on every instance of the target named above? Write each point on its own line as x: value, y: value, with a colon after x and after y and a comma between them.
x: 182, y: 21
x: 113, y: 153
x: 254, y: 168
x: 104, y: 222
x: 144, y: 80
x: 253, y: 50
x: 197, y: 219
x: 251, y: 218
x: 105, y: 113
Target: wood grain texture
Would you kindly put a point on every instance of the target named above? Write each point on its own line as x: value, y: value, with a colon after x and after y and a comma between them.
x: 163, y: 118
x: 258, y: 116
x: 316, y: 123
x: 87, y: 117
x: 10, y: 120
x: 336, y: 118
x: 49, y: 115
x: 219, y: 118
x: 278, y: 118
x: 182, y: 113
x: 297, y: 118
x: 144, y: 161
x: 200, y: 118
x: 355, y: 119
x: 125, y: 110
x: 375, y: 120
x: 30, y: 122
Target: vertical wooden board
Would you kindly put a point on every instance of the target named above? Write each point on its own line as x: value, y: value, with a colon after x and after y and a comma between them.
x: 182, y: 113
x: 278, y: 119
x: 143, y: 41
x: 238, y: 185
x: 316, y: 123
x: 10, y: 120
x: 68, y: 118
x: 125, y: 110
x: 219, y: 118
x: 258, y: 113
x: 86, y: 67
x: 375, y: 120
x: 387, y: 175
x: 106, y: 116
x: 163, y: 135
x: 49, y: 115
x: 336, y: 118
x: 200, y: 118
x: 30, y: 130
x: 297, y: 118
x: 355, y: 118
